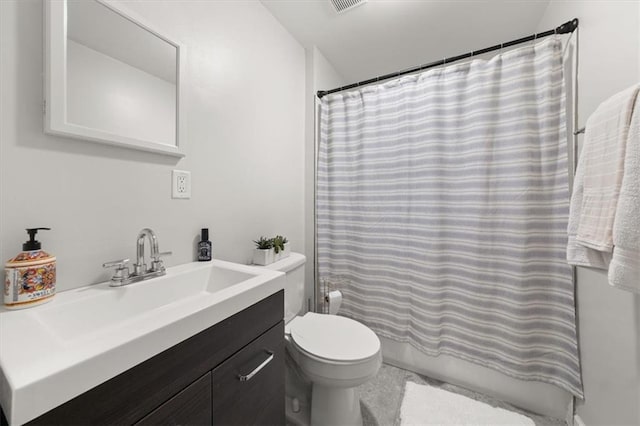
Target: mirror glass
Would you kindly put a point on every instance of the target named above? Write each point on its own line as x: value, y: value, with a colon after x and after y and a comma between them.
x: 120, y: 79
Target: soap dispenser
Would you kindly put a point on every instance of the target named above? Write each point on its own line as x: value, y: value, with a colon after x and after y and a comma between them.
x: 30, y: 276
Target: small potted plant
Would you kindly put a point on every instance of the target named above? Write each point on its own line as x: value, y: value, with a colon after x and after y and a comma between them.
x: 264, y: 252
x: 278, y: 246
x: 281, y: 247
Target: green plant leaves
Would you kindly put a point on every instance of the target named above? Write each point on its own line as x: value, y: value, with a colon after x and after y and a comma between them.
x: 263, y: 243
x: 276, y: 243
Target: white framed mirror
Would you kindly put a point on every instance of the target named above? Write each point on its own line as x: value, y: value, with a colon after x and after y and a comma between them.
x: 111, y: 78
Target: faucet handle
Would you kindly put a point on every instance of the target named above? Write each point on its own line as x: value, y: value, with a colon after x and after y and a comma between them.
x: 120, y: 263
x: 164, y: 253
x: 156, y: 263
x: 122, y: 270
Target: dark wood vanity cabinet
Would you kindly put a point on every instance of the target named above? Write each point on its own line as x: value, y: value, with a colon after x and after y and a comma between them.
x: 201, y: 381
x: 192, y: 406
x: 254, y: 400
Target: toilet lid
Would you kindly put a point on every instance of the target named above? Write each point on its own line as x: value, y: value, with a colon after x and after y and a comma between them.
x: 333, y: 337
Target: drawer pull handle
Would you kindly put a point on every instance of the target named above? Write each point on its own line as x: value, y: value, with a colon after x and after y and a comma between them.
x: 256, y: 370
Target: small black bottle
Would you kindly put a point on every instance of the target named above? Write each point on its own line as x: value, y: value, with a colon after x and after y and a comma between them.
x: 204, y: 246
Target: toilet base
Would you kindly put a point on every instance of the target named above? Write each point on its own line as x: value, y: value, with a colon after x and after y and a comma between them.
x: 332, y: 406
x: 297, y: 413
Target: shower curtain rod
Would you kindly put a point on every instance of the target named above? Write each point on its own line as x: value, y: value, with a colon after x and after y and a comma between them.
x: 567, y: 27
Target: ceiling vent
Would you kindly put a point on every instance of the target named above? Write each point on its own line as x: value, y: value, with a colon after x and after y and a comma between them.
x: 342, y: 6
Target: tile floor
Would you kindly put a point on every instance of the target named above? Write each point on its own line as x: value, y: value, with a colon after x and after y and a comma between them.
x: 382, y: 396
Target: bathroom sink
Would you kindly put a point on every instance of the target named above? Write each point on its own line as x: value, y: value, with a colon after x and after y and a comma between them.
x: 103, y: 307
x: 90, y: 334
x: 220, y: 278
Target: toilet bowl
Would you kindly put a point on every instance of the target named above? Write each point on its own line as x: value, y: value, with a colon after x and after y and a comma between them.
x: 337, y: 355
x: 333, y: 354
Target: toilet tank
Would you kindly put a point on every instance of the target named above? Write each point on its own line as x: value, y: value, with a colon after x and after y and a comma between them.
x: 293, y: 267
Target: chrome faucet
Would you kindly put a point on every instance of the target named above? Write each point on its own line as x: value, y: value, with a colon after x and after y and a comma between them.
x: 139, y: 267
x: 123, y: 276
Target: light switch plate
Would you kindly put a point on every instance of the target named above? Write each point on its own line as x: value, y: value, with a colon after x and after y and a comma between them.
x: 180, y: 184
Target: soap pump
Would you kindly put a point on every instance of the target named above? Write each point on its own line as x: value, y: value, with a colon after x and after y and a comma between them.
x: 30, y: 276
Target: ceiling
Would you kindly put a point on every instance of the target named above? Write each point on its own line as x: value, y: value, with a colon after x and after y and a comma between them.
x: 383, y: 36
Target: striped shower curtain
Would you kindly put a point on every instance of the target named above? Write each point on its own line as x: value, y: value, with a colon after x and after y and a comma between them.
x: 442, y: 205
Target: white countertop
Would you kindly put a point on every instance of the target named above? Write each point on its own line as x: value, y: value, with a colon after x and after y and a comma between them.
x: 54, y: 352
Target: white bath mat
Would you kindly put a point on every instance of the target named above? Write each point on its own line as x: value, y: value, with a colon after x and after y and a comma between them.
x: 427, y: 405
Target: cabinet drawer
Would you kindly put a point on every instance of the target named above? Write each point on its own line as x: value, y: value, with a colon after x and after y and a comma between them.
x: 192, y: 406
x: 256, y: 398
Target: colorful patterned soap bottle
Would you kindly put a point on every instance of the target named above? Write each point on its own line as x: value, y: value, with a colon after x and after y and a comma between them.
x: 30, y: 276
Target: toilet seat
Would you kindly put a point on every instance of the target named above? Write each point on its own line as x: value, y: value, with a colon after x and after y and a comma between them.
x: 333, y: 338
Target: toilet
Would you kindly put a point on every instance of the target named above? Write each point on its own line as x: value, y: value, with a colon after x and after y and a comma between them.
x: 329, y: 356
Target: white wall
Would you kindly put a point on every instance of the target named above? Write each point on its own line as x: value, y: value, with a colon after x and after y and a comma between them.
x: 608, y: 318
x: 320, y: 75
x: 244, y: 146
x: 325, y: 76
x: 107, y: 94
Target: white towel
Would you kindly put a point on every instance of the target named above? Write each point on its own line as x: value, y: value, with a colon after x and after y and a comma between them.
x: 598, y: 181
x: 577, y: 254
x: 624, y: 271
x: 603, y: 161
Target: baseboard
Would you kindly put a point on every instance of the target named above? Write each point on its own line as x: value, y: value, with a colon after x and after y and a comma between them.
x: 578, y: 421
